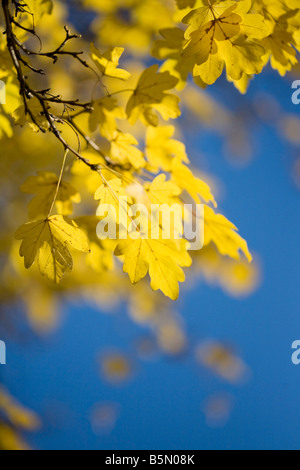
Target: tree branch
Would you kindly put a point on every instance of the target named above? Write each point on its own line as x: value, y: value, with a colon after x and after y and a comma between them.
x: 44, y: 97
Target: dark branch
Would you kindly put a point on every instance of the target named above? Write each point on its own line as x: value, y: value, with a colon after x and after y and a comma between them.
x: 44, y: 97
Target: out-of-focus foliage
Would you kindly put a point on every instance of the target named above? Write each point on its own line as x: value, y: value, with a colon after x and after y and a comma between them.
x: 104, y: 126
x: 14, y: 419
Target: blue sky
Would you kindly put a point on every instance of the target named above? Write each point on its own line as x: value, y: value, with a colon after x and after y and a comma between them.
x: 161, y: 408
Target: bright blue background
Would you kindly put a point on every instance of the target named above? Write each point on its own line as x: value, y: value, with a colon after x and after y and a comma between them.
x: 161, y: 409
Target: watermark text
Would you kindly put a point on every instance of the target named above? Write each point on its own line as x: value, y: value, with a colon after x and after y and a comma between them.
x: 2, y: 92
x: 153, y: 222
x: 296, y: 93
x: 2, y: 353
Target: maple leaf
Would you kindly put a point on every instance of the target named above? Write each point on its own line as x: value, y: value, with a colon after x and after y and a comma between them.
x: 163, y: 259
x: 281, y: 44
x: 223, y: 234
x: 161, y: 191
x: 243, y: 57
x: 171, y: 44
x: 44, y: 185
x: 21, y: 117
x: 161, y: 148
x: 50, y: 239
x: 197, y: 189
x: 170, y: 48
x: 273, y: 9
x: 124, y: 151
x: 108, y: 62
x: 150, y: 94
x: 112, y: 194
x: 228, y: 18
x: 105, y: 112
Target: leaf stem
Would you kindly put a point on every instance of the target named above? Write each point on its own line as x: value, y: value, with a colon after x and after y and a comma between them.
x: 59, y: 182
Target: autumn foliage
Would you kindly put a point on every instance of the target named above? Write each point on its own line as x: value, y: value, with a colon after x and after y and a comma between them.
x: 91, y: 121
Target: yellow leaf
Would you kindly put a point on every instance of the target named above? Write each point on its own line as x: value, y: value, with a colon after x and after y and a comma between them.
x: 104, y: 115
x: 124, y: 151
x: 223, y: 234
x: 161, y: 148
x: 161, y: 191
x: 280, y: 45
x: 21, y: 116
x: 44, y: 185
x: 113, y: 195
x: 100, y: 258
x: 50, y: 239
x: 108, y: 62
x: 161, y: 258
x: 185, y: 179
x: 111, y: 192
x: 170, y: 47
x: 243, y: 57
x: 150, y: 94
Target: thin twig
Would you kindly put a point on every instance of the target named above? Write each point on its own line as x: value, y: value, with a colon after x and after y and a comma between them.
x: 43, y: 97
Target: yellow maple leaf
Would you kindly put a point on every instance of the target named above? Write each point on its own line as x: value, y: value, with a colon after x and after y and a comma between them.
x: 161, y: 191
x: 108, y: 62
x: 44, y: 185
x: 197, y: 189
x: 114, y: 200
x: 150, y: 95
x: 161, y: 148
x: 50, y: 239
x: 123, y: 150
x: 163, y: 260
x: 21, y: 116
x: 105, y: 112
x: 223, y: 233
x: 281, y: 44
x: 110, y: 192
x: 170, y: 48
x: 229, y: 19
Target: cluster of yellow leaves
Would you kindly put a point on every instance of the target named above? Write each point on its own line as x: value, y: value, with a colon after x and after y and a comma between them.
x: 142, y: 160
x: 203, y: 37
x: 48, y: 238
x: 239, y: 36
x: 152, y: 169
